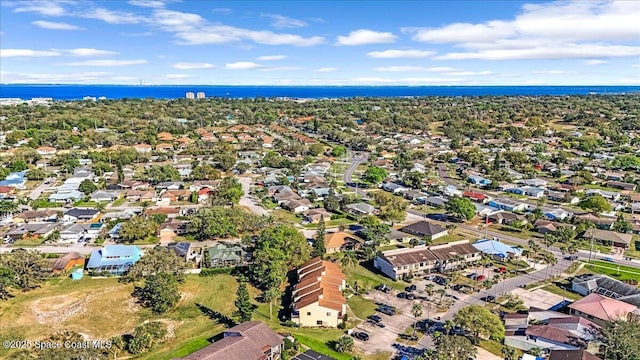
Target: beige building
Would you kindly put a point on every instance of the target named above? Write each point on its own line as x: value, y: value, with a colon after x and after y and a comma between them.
x: 317, y: 296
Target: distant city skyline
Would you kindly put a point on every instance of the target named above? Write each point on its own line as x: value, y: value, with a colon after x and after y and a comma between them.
x: 320, y: 43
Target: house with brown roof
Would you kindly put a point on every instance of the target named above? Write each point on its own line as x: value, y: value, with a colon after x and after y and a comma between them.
x: 165, y: 136
x: 46, y: 150
x: 571, y: 355
x: 600, y: 309
x: 314, y: 215
x: 317, y: 295
x: 251, y: 340
x: 609, y: 237
x: 66, y: 262
x: 425, y: 229
x: 142, y: 148
x: 339, y: 241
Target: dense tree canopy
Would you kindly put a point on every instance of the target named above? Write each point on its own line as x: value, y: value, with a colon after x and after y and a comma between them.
x: 480, y: 322
x: 462, y: 208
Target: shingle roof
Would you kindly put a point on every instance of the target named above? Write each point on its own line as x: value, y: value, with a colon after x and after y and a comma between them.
x: 423, y: 228
x: 602, y: 307
x: 571, y: 355
x: 554, y: 333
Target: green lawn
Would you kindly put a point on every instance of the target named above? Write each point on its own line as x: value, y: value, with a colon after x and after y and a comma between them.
x: 44, y: 203
x: 361, y: 307
x: 449, y: 238
x: 286, y: 217
x: 619, y: 272
x: 119, y: 202
x: 85, y: 203
x: 34, y: 241
x: 555, y: 289
x: 150, y: 240
x: 368, y: 280
x: 634, y: 250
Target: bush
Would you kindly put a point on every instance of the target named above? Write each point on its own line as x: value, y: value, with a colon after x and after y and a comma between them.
x: 216, y: 271
x: 342, y: 325
x: 290, y: 323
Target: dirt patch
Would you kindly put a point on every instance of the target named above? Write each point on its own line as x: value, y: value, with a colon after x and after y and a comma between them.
x: 132, y: 305
x: 57, y: 309
x: 185, y: 296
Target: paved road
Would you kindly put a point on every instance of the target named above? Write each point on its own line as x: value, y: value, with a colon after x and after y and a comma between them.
x: 248, y: 201
x: 348, y: 174
x: 442, y: 174
x: 35, y: 193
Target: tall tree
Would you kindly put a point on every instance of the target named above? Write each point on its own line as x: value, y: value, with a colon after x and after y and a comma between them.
x: 87, y: 186
x: 462, y: 208
x: 453, y: 347
x: 157, y: 260
x: 271, y: 295
x: 416, y: 311
x: 228, y: 192
x: 620, y: 339
x: 160, y: 293
x: 318, y: 245
x: 480, y: 322
x: 595, y: 203
x: 621, y: 225
x: 244, y: 307
x: 374, y: 174
x: 25, y: 270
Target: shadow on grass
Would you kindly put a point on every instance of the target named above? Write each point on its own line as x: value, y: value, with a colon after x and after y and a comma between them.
x: 216, y: 316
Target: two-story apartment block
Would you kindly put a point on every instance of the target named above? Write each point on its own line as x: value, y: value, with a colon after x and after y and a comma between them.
x: 423, y: 260
x: 317, y: 296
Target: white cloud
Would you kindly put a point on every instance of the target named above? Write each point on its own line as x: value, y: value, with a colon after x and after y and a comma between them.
x: 107, y: 63
x: 325, y: 69
x: 90, y: 52
x: 192, y: 29
x: 192, y: 66
x: 271, y: 57
x: 444, y: 70
x: 282, y: 68
x: 594, y: 62
x: 364, y: 37
x: 112, y: 17
x: 178, y: 76
x: 8, y: 53
x: 397, y: 54
x: 40, y: 78
x: 283, y: 22
x: 560, y: 51
x: 148, y: 3
x: 555, y: 30
x: 55, y: 25
x: 401, y: 68
x: 42, y: 7
x: 549, y: 72
x: 243, y: 65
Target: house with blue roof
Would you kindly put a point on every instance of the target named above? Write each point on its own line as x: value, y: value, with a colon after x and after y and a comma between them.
x: 478, y: 180
x: 115, y: 259
x: 497, y: 249
x: 15, y: 179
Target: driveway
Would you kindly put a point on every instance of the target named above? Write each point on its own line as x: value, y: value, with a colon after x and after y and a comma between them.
x: 540, y: 299
x: 35, y: 193
x: 248, y: 200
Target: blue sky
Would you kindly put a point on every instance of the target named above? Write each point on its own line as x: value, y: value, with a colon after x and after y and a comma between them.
x: 320, y: 42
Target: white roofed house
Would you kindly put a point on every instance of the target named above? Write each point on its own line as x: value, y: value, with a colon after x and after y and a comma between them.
x: 103, y: 196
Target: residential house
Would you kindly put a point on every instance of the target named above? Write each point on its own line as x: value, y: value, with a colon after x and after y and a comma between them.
x: 562, y: 197
x: 601, y: 284
x: 599, y: 222
x: 394, y: 188
x: 546, y: 227
x: 609, y: 195
x: 556, y: 214
x: 71, y: 234
x: 297, y: 206
x: 361, y: 209
x: 313, y: 215
x: 46, y: 151
x: 502, y: 217
x: 142, y: 148
x: 168, y: 230
x: 535, y: 182
x: 317, y: 295
x: 65, y: 197
x: 425, y: 229
x: 600, y: 309
x: 615, y: 176
x: 103, y: 196
x: 134, y: 185
x: 76, y: 214
x: 35, y: 216
x: 434, y: 201
x: 140, y: 195
x: 621, y: 185
x: 455, y: 254
x: 497, y: 249
x: 222, y: 255
x: 340, y: 241
x: 609, y: 237
x: 171, y: 212
x: 170, y: 185
x: 66, y: 262
x: 251, y: 340
x: 185, y: 250
x: 579, y: 354
x: 115, y: 259
x: 451, y: 191
x: 475, y: 196
x: 478, y: 180
x: 164, y: 136
x: 528, y: 191
x: 508, y: 205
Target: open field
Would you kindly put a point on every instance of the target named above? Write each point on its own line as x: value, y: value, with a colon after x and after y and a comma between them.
x: 33, y: 241
x: 619, y: 272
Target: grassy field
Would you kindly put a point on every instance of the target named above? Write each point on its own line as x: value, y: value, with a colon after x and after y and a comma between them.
x: 286, y: 217
x: 361, y: 307
x: 33, y: 241
x: 555, y: 289
x: 368, y: 279
x: 449, y: 238
x: 119, y: 202
x: 619, y: 272
x: 44, y: 203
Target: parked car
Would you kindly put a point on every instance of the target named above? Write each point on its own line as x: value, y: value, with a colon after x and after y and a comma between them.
x: 361, y: 335
x: 410, y: 288
x: 411, y: 296
x: 402, y: 295
x: 384, y: 288
x: 374, y: 318
x: 500, y: 270
x: 608, y: 259
x: 439, y: 280
x: 489, y: 298
x: 387, y: 310
x: 472, y: 276
x: 481, y: 278
x: 378, y: 324
x: 488, y: 265
x: 571, y: 257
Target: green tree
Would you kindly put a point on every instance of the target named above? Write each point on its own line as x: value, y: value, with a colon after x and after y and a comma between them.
x: 18, y: 165
x: 271, y: 295
x: 118, y: 345
x: 416, y: 311
x: 343, y: 344
x: 621, y: 225
x: 596, y: 204
x: 205, y: 172
x: 375, y: 231
x: 157, y: 260
x: 160, y: 293
x: 462, y: 208
x: 453, y: 347
x: 278, y: 249
x: 374, y: 174
x: 316, y: 149
x: 339, y: 151
x: 87, y: 186
x: 244, y: 307
x: 480, y: 322
x: 8, y: 207
x: 620, y: 339
x: 36, y: 174
x: 162, y: 173
x: 145, y: 336
x: 138, y: 228
x: 318, y: 245
x: 25, y: 270
x: 6, y: 280
x: 392, y: 208
x: 413, y: 179
x: 228, y: 192
x: 331, y: 203
x: 509, y: 353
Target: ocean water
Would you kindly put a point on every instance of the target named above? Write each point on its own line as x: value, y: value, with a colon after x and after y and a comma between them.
x: 77, y: 92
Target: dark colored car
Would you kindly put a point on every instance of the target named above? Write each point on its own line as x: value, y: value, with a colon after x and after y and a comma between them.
x: 378, y: 324
x: 571, y: 257
x: 439, y: 280
x: 608, y: 259
x: 374, y: 318
x: 411, y: 297
x: 361, y: 335
x: 410, y: 288
x: 402, y: 295
x: 387, y: 310
x: 384, y: 288
x: 489, y: 298
x: 488, y: 265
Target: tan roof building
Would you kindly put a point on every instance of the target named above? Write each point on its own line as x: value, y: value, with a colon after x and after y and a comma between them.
x: 317, y: 296
x: 338, y: 241
x: 251, y: 340
x: 606, y: 236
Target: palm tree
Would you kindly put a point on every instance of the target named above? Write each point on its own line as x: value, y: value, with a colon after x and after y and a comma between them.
x: 429, y: 289
x: 509, y: 353
x: 535, y: 351
x: 442, y: 293
x: 349, y: 260
x: 416, y: 311
x: 272, y: 295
